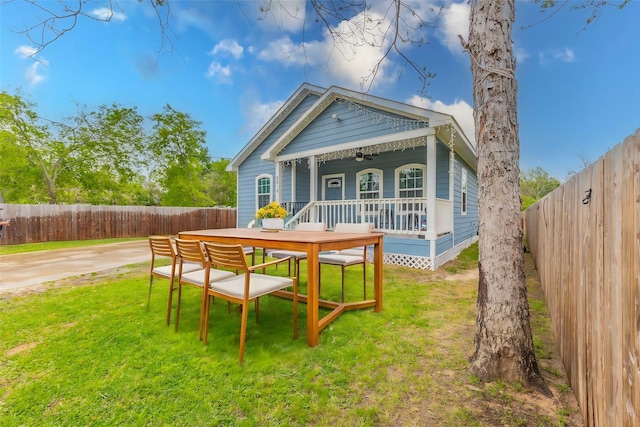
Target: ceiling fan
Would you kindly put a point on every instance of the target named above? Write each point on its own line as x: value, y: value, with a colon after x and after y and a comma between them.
x: 360, y: 156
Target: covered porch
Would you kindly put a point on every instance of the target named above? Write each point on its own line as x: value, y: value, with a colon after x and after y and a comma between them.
x: 395, y: 216
x: 402, y: 183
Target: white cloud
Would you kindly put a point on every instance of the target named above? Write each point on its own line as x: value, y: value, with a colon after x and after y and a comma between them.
x: 259, y: 114
x: 520, y: 53
x: 460, y: 110
x: 343, y: 61
x: 454, y: 22
x: 556, y: 55
x: 219, y: 73
x: 33, y: 73
x: 565, y: 55
x: 286, y: 16
x: 193, y: 17
x: 106, y: 13
x: 228, y: 46
x: 26, y: 51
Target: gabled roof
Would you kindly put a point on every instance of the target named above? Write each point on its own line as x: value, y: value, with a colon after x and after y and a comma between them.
x: 334, y: 93
x: 444, y: 125
x: 294, y: 100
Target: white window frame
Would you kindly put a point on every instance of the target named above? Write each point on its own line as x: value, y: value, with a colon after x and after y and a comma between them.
x: 380, y: 186
x: 464, y: 196
x: 257, y: 194
x: 413, y: 166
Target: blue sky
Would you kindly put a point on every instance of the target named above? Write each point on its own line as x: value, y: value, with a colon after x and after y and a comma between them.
x: 231, y: 67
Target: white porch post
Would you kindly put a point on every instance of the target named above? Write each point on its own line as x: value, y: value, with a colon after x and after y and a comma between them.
x: 313, y: 182
x: 293, y: 182
x: 278, y: 183
x: 431, y: 188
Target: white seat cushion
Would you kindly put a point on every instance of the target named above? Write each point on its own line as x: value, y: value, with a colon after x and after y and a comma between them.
x: 165, y: 271
x: 338, y: 259
x: 284, y: 254
x: 261, y: 284
x: 354, y: 252
x: 197, y: 277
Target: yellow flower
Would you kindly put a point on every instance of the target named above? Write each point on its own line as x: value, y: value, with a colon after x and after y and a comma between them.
x: 272, y: 210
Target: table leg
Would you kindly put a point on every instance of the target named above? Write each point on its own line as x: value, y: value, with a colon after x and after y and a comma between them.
x: 377, y: 275
x: 312, y: 296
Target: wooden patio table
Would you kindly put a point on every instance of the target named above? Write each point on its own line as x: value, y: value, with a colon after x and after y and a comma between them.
x: 311, y: 242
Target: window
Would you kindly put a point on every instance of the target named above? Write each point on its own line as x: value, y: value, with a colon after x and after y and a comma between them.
x: 410, y: 180
x: 463, y: 192
x: 263, y: 190
x: 369, y: 184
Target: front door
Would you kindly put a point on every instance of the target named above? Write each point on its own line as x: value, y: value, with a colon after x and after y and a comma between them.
x: 333, y: 189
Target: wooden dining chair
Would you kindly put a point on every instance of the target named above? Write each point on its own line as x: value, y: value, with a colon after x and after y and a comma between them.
x: 298, y: 256
x: 161, y: 247
x: 348, y: 257
x: 192, y: 251
x: 245, y: 287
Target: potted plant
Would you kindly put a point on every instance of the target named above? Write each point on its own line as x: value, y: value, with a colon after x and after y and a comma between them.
x: 272, y: 216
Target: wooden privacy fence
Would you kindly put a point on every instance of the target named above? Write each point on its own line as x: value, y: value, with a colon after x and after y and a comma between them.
x: 585, y: 241
x: 43, y: 223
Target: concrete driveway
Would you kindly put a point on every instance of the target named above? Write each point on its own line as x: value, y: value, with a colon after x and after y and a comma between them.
x: 35, y: 268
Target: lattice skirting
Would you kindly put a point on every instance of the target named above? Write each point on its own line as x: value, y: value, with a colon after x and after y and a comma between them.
x: 453, y: 253
x: 412, y: 261
x: 426, y: 263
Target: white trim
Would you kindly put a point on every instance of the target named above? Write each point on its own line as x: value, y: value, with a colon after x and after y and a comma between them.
x: 464, y: 192
x: 431, y: 189
x: 413, y: 166
x: 255, y: 192
x: 335, y: 175
x: 353, y: 145
x: 380, y: 182
x: 278, y: 182
x: 293, y: 181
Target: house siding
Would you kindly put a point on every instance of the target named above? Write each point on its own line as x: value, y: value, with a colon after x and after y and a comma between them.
x: 465, y: 226
x: 254, y: 166
x: 444, y: 243
x: 442, y: 171
x: 352, y: 125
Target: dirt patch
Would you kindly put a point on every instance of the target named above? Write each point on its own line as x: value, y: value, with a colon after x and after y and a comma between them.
x: 80, y: 280
x: 21, y: 348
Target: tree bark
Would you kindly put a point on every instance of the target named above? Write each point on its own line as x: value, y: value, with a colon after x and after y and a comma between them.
x: 503, y: 341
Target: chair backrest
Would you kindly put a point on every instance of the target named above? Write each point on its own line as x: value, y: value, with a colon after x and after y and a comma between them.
x: 226, y: 256
x: 362, y: 228
x: 161, y: 246
x: 190, y: 250
x: 311, y: 226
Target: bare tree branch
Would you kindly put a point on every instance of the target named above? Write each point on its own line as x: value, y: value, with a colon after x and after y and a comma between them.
x: 54, y: 19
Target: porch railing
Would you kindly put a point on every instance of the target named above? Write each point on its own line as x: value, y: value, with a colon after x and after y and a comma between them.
x: 407, y: 216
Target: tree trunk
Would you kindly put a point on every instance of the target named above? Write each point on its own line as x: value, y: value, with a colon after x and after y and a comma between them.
x: 504, y: 345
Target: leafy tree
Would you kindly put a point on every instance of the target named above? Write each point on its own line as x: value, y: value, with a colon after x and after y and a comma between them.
x: 102, y: 146
x: 220, y: 184
x: 535, y: 184
x: 20, y: 180
x: 33, y: 138
x: 181, y: 158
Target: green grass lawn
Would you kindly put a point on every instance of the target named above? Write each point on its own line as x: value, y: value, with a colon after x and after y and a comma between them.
x: 94, y: 355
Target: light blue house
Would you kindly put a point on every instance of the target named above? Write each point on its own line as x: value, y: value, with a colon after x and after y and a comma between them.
x: 336, y: 155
